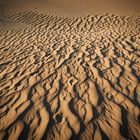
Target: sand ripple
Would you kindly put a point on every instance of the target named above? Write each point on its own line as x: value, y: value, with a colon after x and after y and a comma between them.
x: 70, y: 77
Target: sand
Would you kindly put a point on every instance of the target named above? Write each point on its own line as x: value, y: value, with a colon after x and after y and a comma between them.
x: 69, y: 76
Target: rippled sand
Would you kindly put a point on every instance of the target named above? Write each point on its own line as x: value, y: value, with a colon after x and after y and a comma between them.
x: 66, y: 77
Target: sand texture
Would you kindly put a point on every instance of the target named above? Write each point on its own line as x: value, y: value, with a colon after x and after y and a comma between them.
x: 69, y: 78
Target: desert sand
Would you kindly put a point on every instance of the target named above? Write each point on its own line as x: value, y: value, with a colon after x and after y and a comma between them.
x: 69, y: 70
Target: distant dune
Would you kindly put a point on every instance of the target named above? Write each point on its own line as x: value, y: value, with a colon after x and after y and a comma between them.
x: 69, y: 70
x: 73, y: 7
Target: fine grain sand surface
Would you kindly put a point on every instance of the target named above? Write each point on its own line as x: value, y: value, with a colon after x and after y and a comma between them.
x: 69, y: 70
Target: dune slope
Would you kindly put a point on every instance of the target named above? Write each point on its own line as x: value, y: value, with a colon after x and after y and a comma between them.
x: 69, y: 77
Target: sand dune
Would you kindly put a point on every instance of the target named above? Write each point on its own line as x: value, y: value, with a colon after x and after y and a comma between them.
x: 64, y: 77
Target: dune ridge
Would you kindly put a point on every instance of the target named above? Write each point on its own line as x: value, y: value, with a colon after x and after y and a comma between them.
x: 70, y: 77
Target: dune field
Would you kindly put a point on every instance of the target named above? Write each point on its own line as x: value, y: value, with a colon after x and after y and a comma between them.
x: 69, y: 76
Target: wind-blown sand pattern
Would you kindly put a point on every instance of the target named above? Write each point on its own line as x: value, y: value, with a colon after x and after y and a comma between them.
x: 70, y: 77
